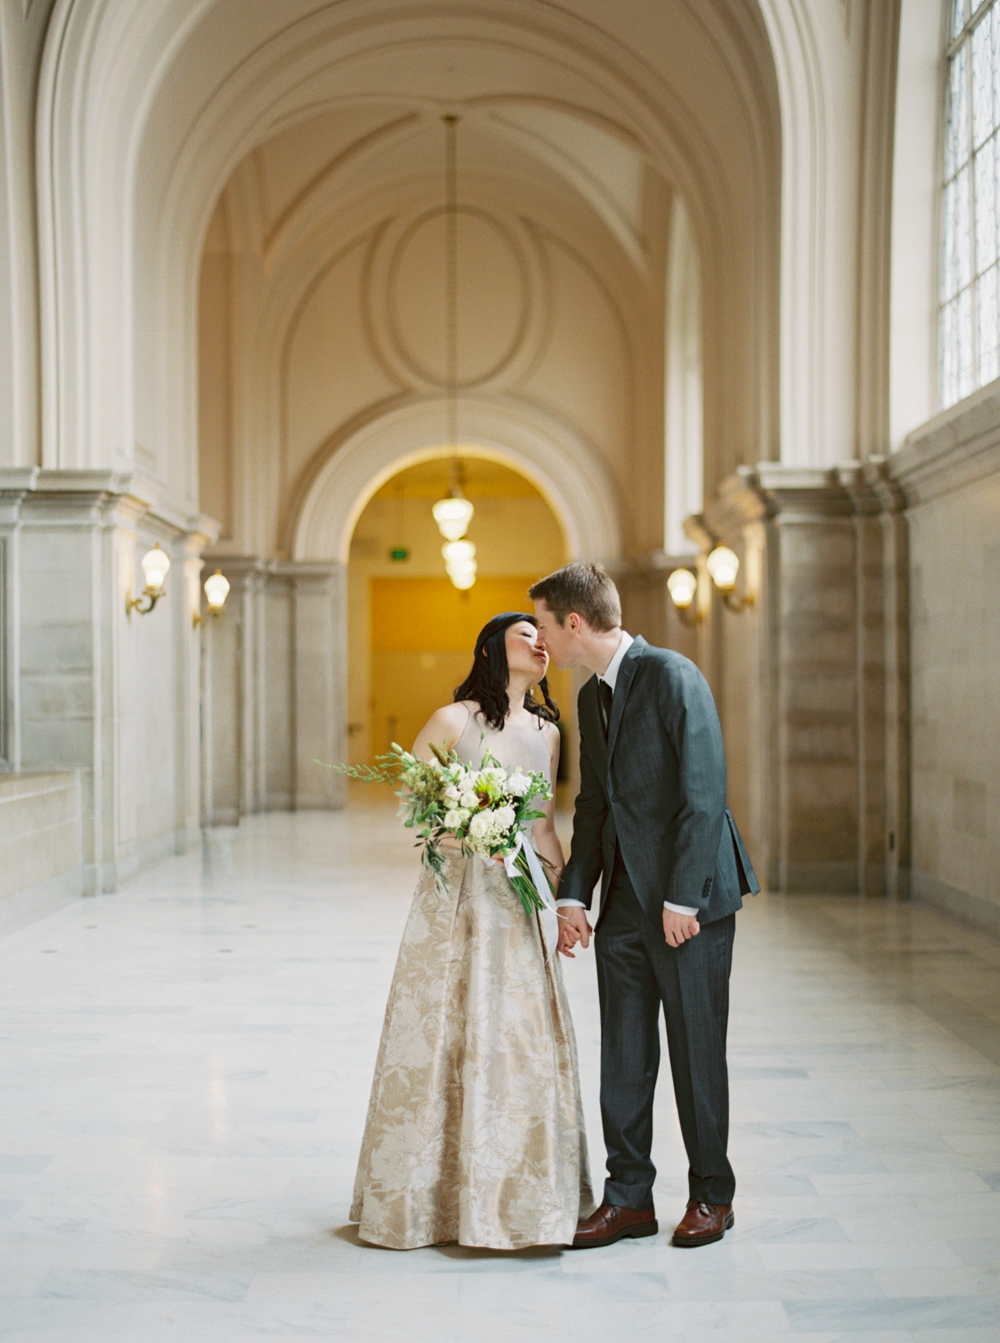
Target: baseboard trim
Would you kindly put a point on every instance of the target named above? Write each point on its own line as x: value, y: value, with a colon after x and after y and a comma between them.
x: 818, y: 878
x: 969, y: 909
x: 36, y: 902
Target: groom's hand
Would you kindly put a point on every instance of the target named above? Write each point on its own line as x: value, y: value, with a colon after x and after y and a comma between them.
x: 573, y: 928
x: 678, y: 928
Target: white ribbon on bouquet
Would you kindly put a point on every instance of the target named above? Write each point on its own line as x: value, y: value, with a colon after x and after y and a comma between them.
x: 550, y: 920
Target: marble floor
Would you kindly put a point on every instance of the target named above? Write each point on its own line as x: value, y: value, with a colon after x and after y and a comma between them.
x: 185, y: 1070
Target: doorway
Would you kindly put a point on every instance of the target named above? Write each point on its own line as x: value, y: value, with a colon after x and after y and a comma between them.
x: 410, y: 631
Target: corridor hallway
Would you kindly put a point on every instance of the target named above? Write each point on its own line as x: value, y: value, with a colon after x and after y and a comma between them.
x: 186, y: 1067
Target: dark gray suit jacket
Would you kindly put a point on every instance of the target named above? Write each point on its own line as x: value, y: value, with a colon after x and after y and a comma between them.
x: 657, y: 790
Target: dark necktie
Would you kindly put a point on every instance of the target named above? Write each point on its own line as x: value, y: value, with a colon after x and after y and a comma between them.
x: 605, y: 695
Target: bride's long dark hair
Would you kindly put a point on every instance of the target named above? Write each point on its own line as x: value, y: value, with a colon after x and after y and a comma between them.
x: 486, y: 683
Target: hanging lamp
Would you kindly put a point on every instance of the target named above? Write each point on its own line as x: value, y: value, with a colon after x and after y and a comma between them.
x: 454, y: 512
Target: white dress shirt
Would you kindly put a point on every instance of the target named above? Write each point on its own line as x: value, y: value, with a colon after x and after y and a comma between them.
x: 610, y: 677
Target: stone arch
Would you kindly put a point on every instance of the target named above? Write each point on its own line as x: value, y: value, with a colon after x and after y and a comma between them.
x: 567, y: 469
x: 100, y: 129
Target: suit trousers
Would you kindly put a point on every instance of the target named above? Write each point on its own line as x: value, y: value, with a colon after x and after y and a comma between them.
x: 636, y: 972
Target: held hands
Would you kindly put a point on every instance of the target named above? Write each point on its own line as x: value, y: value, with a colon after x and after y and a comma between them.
x: 679, y: 928
x: 573, y: 928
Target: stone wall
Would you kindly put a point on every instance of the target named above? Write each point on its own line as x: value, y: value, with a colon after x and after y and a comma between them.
x: 950, y: 472
x: 89, y: 686
x: 860, y: 686
x: 39, y: 844
x: 274, y: 678
x: 809, y: 671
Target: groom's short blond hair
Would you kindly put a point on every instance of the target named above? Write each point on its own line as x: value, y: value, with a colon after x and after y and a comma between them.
x: 584, y: 588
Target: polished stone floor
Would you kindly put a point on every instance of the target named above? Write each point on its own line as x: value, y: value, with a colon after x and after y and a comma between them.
x: 185, y: 1068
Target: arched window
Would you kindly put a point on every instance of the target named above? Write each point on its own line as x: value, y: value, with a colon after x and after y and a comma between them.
x: 970, y: 289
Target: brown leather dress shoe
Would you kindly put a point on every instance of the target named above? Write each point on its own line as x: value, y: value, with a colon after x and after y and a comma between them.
x: 610, y: 1223
x: 702, y: 1224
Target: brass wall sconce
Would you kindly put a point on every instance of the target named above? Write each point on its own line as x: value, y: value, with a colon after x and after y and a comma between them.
x: 723, y: 566
x: 683, y: 588
x: 155, y: 564
x: 216, y: 590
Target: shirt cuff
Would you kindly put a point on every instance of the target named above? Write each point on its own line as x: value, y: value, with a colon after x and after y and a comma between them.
x: 679, y: 909
x: 568, y: 900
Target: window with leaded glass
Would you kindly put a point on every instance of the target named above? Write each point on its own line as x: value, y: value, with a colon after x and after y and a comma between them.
x: 970, y: 263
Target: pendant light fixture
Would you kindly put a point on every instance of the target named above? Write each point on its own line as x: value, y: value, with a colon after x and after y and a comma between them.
x: 454, y: 512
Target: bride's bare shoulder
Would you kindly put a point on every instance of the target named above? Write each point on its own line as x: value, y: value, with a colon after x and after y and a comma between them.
x: 444, y: 727
x: 455, y: 716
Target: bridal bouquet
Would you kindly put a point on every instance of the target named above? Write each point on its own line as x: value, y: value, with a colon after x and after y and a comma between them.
x: 486, y: 808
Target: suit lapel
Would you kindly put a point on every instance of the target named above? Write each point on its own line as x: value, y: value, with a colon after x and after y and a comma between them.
x: 623, y: 685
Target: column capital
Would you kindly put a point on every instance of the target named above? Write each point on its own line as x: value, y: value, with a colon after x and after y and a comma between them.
x: 100, y: 499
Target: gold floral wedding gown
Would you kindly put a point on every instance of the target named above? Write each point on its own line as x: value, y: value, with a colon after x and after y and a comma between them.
x: 475, y: 1129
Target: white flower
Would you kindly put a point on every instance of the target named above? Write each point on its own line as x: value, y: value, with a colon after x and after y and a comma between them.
x: 455, y: 819
x: 469, y: 800
x: 505, y: 818
x: 481, y: 824
x: 518, y: 784
x: 452, y: 793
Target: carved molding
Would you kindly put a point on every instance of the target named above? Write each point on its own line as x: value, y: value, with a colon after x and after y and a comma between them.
x: 386, y: 277
x: 956, y: 448
x: 100, y: 498
x: 568, y: 470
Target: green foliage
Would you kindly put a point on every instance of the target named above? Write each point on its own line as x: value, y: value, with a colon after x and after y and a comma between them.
x: 422, y: 786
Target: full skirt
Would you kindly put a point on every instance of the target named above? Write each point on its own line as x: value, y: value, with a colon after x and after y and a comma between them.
x: 475, y: 1129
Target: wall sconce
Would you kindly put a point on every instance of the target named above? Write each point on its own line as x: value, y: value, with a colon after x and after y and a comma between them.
x: 683, y: 588
x: 216, y: 590
x: 155, y: 564
x: 723, y: 565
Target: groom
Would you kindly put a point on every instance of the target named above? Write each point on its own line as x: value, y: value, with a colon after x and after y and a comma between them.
x: 651, y: 823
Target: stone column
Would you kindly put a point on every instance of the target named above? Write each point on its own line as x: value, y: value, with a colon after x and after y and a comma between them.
x: 14, y: 485
x: 646, y: 605
x: 188, y: 692
x: 738, y: 644
x: 300, y: 684
x: 95, y: 689
x: 824, y: 699
x: 869, y: 644
x: 797, y: 645
x: 233, y: 697
x: 896, y: 679
x: 320, y: 682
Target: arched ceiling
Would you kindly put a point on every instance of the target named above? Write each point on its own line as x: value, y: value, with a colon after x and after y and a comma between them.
x: 357, y: 150
x: 147, y: 111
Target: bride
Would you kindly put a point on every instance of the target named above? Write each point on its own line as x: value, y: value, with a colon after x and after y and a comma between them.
x: 475, y: 1129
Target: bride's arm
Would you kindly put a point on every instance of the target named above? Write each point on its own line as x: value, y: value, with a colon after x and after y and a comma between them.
x: 443, y: 728
x: 546, y: 839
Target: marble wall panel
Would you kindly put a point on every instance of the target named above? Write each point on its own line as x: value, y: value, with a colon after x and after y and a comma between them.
x: 40, y: 858
x: 320, y: 684
x: 222, y: 738
x: 279, y: 670
x: 951, y: 474
x: 97, y: 689
x: 811, y: 744
x: 817, y: 703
